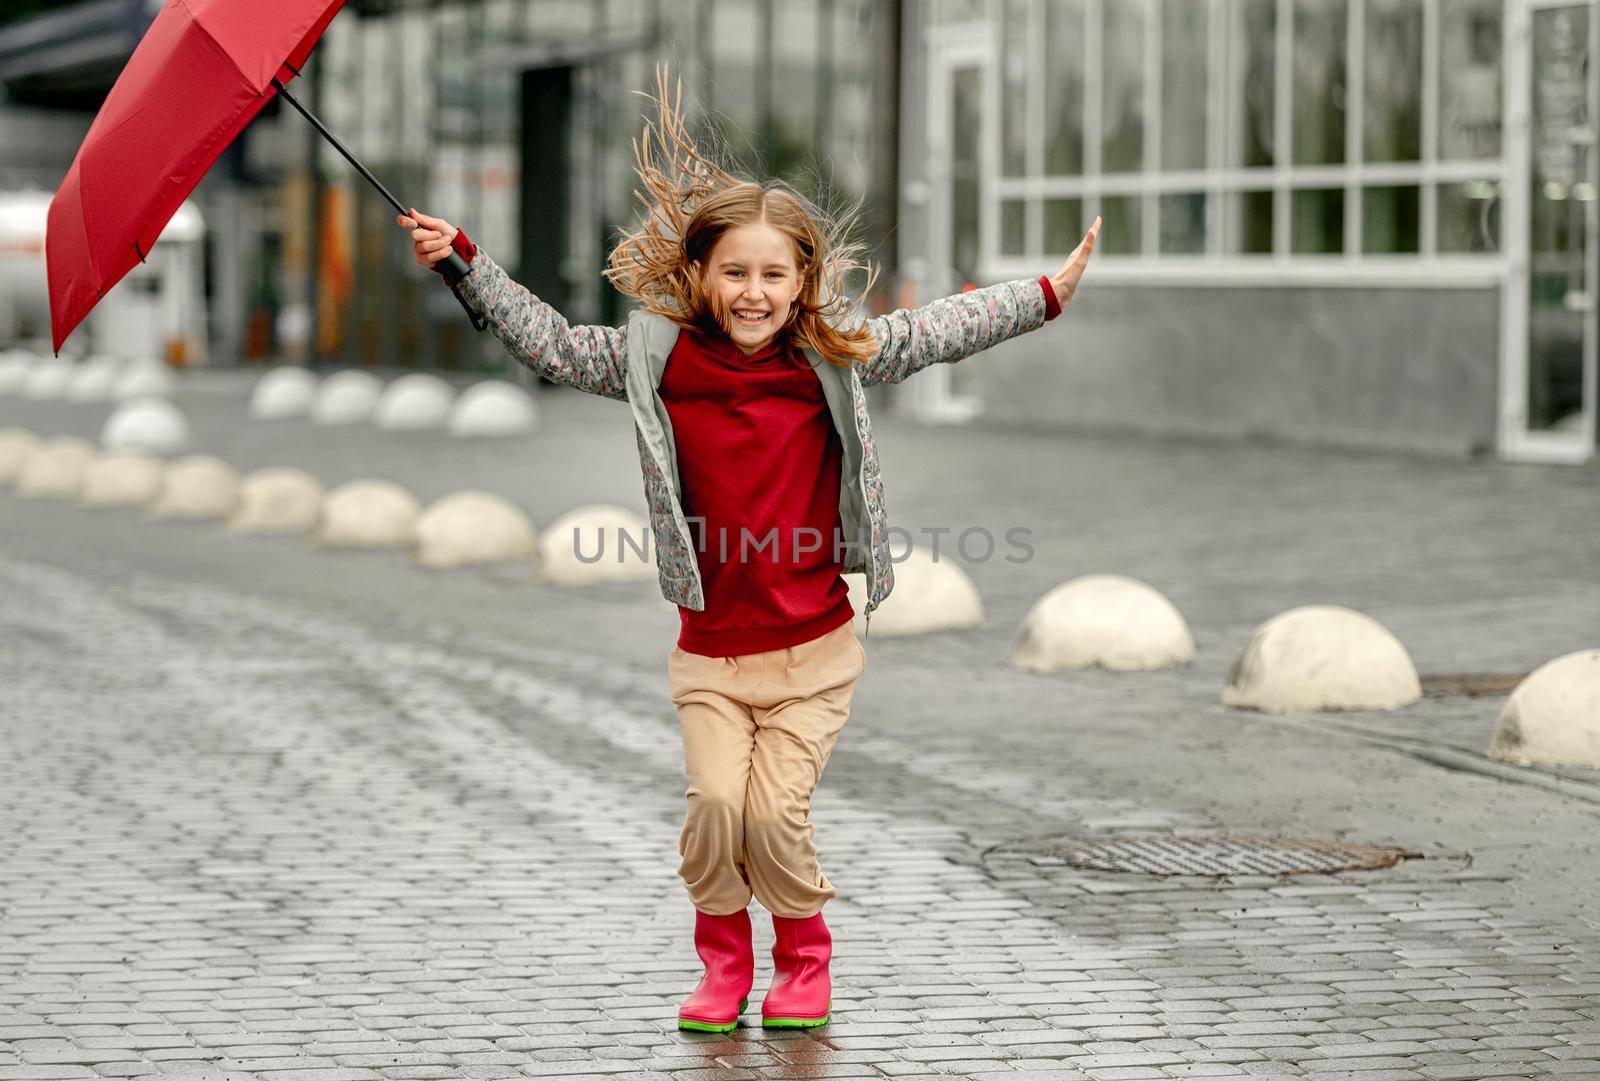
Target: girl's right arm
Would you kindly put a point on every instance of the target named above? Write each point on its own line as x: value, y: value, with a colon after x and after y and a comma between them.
x: 590, y: 358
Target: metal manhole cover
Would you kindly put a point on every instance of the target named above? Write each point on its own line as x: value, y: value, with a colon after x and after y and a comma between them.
x: 1167, y: 854
x: 1469, y: 685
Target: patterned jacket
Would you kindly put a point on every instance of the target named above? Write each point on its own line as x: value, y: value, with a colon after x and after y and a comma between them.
x: 626, y: 363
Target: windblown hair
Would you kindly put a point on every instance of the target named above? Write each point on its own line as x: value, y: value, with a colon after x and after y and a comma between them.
x: 690, y: 202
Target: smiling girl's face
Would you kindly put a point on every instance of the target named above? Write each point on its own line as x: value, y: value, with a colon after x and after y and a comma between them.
x: 751, y: 271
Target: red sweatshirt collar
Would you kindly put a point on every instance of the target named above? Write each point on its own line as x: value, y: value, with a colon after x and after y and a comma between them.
x: 722, y: 346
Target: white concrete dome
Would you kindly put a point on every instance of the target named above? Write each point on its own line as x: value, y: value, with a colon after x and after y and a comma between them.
x: 1103, y: 621
x: 369, y: 514
x: 55, y: 469
x: 1553, y: 717
x: 928, y: 595
x: 414, y: 402
x: 1322, y: 657
x: 277, y: 501
x: 346, y: 397
x: 472, y: 527
x: 129, y: 478
x: 195, y: 488
x: 14, y: 366
x: 493, y: 407
x: 152, y: 424
x: 16, y: 446
x: 47, y: 380
x: 287, y: 391
x: 92, y: 380
x: 146, y: 378
x: 609, y: 540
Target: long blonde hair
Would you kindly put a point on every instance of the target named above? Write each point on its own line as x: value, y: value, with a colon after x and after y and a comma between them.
x: 690, y: 202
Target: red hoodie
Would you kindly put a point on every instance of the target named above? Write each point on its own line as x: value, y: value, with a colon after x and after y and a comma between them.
x: 760, y: 462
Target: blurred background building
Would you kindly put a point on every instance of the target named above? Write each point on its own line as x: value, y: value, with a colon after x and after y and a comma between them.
x: 1367, y: 221
x: 1357, y: 222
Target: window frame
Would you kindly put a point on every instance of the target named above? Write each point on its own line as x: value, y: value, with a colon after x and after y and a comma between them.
x: 1425, y: 267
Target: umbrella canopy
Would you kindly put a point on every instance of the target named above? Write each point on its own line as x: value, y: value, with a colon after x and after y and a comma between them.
x: 204, y: 69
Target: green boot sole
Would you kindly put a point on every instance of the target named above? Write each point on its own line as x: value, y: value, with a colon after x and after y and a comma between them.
x: 798, y: 1022
x: 707, y: 1026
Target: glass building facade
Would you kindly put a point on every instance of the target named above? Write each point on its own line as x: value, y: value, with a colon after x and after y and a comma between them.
x: 514, y: 119
x: 1344, y: 220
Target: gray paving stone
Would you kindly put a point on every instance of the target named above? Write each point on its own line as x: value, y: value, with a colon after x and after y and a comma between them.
x: 322, y: 812
x: 126, y: 1069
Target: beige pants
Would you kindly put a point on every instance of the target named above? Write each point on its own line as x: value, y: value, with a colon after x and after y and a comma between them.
x: 758, y: 730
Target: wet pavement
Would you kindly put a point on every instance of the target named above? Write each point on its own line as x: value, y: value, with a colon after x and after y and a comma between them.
x: 283, y: 813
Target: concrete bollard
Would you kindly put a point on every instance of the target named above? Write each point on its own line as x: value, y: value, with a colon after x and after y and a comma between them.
x: 929, y: 595
x: 1103, y: 621
x: 152, y: 424
x: 16, y: 446
x: 1322, y: 657
x: 368, y: 514
x: 472, y: 527
x: 492, y: 408
x: 195, y: 488
x: 597, y: 542
x: 121, y: 479
x: 92, y: 381
x: 414, y: 402
x: 1553, y: 717
x: 277, y: 501
x: 47, y: 380
x: 146, y: 378
x: 55, y: 469
x: 346, y: 397
x: 285, y: 391
x: 14, y: 366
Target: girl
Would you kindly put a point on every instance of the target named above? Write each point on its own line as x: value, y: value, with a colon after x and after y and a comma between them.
x: 744, y: 368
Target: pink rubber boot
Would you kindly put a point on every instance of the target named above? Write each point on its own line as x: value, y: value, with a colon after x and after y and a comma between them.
x: 723, y: 943
x: 801, y: 995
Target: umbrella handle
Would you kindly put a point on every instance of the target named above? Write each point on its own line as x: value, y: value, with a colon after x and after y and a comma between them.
x: 452, y: 268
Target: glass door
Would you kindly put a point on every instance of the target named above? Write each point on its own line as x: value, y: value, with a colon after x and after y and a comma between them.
x: 958, y: 62
x: 1548, y: 391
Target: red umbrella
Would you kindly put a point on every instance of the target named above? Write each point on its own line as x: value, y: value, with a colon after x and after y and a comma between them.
x: 204, y: 69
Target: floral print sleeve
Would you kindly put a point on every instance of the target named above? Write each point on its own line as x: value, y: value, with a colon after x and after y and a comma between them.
x: 951, y: 328
x: 592, y: 359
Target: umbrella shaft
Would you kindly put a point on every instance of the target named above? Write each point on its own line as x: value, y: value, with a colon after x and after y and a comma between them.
x: 337, y: 145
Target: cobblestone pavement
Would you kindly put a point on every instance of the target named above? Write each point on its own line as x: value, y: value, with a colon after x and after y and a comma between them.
x: 279, y: 813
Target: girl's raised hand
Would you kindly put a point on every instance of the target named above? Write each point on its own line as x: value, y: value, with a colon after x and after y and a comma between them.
x: 1065, y: 280
x: 430, y: 237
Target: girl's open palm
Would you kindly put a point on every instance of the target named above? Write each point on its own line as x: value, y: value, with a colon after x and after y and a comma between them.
x: 1065, y: 280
